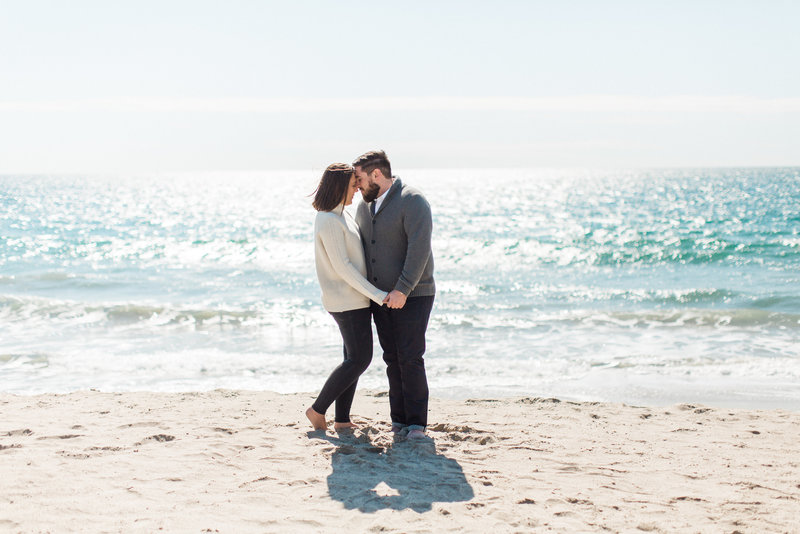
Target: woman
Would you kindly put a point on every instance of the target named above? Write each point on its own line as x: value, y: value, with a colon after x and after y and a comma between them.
x: 346, y: 293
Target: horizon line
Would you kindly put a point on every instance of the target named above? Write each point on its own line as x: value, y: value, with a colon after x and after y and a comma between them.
x: 405, y: 169
x: 578, y: 103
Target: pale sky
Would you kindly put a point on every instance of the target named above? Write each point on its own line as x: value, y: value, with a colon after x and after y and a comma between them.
x: 113, y: 86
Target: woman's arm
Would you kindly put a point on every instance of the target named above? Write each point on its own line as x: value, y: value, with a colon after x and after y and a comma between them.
x: 331, y: 234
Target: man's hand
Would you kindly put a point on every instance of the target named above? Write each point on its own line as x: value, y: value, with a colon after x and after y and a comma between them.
x: 395, y: 300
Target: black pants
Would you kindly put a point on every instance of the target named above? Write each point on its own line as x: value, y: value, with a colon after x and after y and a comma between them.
x: 356, y: 330
x: 402, y: 336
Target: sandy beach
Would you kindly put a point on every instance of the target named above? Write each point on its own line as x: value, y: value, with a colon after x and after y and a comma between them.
x: 240, y: 461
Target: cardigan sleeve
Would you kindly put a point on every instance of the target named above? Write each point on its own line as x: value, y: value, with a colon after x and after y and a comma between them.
x: 418, y: 225
x: 331, y: 234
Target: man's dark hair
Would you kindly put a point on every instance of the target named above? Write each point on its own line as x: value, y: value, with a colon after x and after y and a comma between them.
x: 332, y: 187
x: 375, y: 159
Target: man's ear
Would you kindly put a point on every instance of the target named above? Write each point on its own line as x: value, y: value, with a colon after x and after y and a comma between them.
x: 376, y: 174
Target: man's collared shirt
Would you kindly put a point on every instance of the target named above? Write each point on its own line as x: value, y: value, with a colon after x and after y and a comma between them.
x: 379, y: 200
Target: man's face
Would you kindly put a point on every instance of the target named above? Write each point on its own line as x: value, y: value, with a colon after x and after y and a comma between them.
x: 366, y: 183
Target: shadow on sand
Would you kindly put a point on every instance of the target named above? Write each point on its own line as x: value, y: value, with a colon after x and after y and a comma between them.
x: 400, y: 475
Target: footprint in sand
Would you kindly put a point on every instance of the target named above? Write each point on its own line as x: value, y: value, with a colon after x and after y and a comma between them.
x: 21, y: 432
x: 104, y: 449
x: 143, y: 424
x: 74, y: 455
x: 265, y: 478
x: 538, y: 400
x: 161, y: 438
x: 463, y: 433
x: 225, y: 431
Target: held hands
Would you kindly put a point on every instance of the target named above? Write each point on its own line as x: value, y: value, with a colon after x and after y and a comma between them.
x: 395, y: 300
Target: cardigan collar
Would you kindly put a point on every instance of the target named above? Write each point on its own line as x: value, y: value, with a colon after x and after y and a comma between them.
x: 396, y: 186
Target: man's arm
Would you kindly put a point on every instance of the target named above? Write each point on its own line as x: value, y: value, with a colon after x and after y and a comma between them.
x: 418, y: 226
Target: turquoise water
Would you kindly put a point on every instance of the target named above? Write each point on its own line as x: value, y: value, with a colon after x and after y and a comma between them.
x: 645, y: 287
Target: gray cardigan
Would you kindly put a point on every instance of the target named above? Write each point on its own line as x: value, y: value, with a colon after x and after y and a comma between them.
x: 397, y: 242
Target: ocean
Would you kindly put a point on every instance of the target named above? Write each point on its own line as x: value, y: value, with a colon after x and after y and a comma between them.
x: 647, y: 287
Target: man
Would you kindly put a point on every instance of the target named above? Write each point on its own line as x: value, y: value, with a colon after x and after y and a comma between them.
x: 395, y: 222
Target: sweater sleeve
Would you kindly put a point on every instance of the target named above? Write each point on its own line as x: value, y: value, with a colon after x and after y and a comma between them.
x: 418, y: 226
x: 331, y: 235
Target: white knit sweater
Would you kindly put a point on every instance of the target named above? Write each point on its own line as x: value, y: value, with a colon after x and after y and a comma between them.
x: 341, y: 268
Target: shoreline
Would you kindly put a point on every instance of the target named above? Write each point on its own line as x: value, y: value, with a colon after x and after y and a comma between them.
x: 248, y: 461
x: 670, y: 393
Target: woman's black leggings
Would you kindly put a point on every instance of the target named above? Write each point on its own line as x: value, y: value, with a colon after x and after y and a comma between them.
x: 356, y: 329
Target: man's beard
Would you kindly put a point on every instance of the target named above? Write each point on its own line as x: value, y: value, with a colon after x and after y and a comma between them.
x: 371, y: 193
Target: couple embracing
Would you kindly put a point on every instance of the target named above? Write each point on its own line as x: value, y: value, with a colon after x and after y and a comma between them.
x: 378, y: 266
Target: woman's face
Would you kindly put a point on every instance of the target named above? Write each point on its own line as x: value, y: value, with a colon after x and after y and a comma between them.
x: 351, y: 190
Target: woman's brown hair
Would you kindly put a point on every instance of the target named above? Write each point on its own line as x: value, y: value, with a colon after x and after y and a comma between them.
x: 332, y: 187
